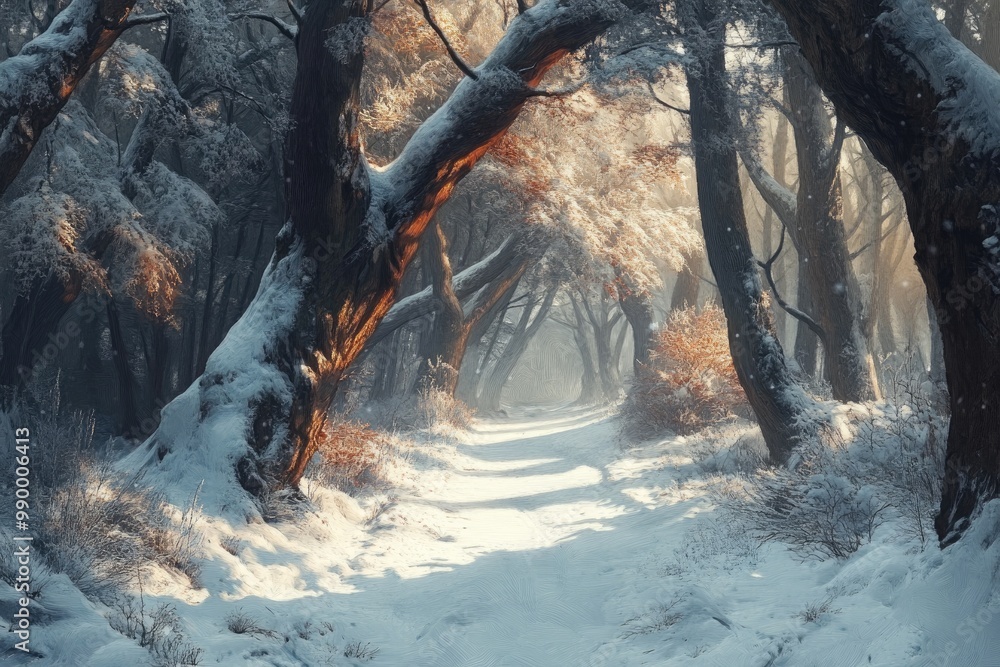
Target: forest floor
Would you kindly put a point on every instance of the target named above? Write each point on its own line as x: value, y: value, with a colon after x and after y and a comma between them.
x: 539, y: 540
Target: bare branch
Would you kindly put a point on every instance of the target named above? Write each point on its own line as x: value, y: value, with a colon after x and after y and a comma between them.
x: 145, y: 19
x: 794, y: 312
x: 296, y: 12
x: 664, y: 103
x: 457, y: 59
x: 289, y: 31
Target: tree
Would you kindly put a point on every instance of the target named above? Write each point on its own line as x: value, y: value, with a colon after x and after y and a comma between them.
x: 352, y: 230
x: 926, y: 108
x: 814, y: 219
x: 778, y: 402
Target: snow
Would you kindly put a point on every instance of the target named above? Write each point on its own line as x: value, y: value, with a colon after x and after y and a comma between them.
x: 538, y: 541
x: 204, y: 428
x: 968, y: 88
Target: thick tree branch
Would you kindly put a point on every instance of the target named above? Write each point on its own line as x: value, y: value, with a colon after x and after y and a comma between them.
x: 297, y: 13
x: 145, y: 19
x: 40, y: 79
x: 777, y: 196
x: 465, y: 284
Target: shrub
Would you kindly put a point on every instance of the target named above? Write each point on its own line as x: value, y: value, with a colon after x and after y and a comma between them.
x: 241, y: 623
x: 439, y: 408
x: 158, y: 630
x: 91, y: 524
x: 826, y: 506
x: 690, y: 381
x: 351, y: 455
x: 885, y: 459
x: 359, y: 651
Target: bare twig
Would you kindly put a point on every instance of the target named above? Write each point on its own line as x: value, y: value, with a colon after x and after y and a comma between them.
x: 794, y: 312
x: 664, y: 103
x: 457, y: 59
x: 296, y: 12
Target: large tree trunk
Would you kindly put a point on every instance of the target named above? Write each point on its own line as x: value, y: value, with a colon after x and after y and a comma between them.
x: 776, y: 399
x: 814, y: 219
x: 261, y: 405
x: 836, y: 294
x: 924, y: 120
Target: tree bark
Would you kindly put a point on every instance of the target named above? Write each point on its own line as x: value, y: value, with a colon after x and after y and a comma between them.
x: 863, y: 54
x: 776, y: 399
x: 447, y: 339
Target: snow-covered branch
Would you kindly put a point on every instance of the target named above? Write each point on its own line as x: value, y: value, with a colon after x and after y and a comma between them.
x: 36, y: 83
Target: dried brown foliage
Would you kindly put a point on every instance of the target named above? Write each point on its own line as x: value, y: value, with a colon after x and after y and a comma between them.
x: 690, y: 381
x: 351, y: 455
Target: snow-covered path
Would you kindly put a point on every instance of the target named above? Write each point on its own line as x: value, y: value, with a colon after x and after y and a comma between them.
x: 537, y: 541
x: 528, y: 543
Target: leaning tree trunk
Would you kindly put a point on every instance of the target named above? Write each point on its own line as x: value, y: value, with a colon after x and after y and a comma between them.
x: 924, y: 120
x: 776, y: 399
x: 442, y: 358
x: 262, y: 404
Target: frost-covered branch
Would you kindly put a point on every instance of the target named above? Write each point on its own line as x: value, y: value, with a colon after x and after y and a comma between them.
x: 465, y: 284
x: 776, y: 195
x: 145, y: 19
x: 36, y: 83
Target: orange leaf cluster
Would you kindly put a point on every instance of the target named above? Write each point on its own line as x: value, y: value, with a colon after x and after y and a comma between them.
x: 690, y: 381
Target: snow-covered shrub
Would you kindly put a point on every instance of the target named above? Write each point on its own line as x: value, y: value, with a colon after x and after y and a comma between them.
x: 874, y: 461
x: 826, y: 506
x: 101, y: 530
x: 351, y: 456
x: 439, y: 408
x: 241, y: 623
x: 690, y: 381
x: 157, y: 629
